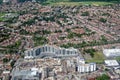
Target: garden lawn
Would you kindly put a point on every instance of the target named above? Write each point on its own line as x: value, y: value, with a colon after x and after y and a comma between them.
x: 98, y: 58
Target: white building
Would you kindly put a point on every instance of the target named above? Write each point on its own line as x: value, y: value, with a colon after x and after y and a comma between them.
x: 52, y: 51
x: 111, y: 52
x: 111, y: 63
x: 86, y: 67
x: 82, y: 67
x: 80, y: 60
x: 5, y: 1
x: 32, y: 74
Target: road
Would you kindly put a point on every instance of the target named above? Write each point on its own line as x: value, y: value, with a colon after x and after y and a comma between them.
x: 103, y: 46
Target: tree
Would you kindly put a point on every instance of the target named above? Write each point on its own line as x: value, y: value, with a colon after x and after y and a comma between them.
x: 85, y: 13
x: 93, y: 0
x: 70, y: 35
x: 5, y: 60
x: 103, y: 20
x: 0, y: 1
x: 12, y: 63
x: 103, y: 77
x: 39, y: 40
x: 90, y: 51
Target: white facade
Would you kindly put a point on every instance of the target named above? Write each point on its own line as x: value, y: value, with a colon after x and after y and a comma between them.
x: 48, y: 50
x: 5, y: 1
x: 94, y: 67
x: 86, y: 67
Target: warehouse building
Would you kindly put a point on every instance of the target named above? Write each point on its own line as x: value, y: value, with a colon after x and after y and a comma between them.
x: 26, y: 75
x: 111, y: 52
x: 111, y: 63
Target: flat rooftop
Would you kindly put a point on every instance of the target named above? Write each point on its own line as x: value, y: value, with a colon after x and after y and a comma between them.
x: 111, y: 52
x: 111, y: 63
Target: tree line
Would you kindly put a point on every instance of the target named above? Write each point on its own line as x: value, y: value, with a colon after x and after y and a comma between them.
x: 93, y: 0
x: 61, y: 0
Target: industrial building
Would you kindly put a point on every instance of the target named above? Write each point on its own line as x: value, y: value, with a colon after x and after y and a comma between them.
x: 50, y: 51
x: 111, y: 63
x: 111, y: 52
x: 31, y: 74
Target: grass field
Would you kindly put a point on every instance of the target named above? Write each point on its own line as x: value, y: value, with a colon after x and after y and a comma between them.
x: 98, y: 58
x: 67, y: 3
x: 118, y: 58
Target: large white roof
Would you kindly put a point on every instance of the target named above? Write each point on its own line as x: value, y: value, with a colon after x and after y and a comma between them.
x: 111, y: 63
x: 6, y: 72
x: 34, y: 69
x: 111, y: 52
x: 28, y: 57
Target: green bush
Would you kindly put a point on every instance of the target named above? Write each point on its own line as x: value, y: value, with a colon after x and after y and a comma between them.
x: 85, y: 13
x: 103, y: 77
x: 103, y: 20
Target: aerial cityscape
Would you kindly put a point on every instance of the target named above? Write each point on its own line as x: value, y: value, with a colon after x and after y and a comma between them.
x: 59, y: 39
